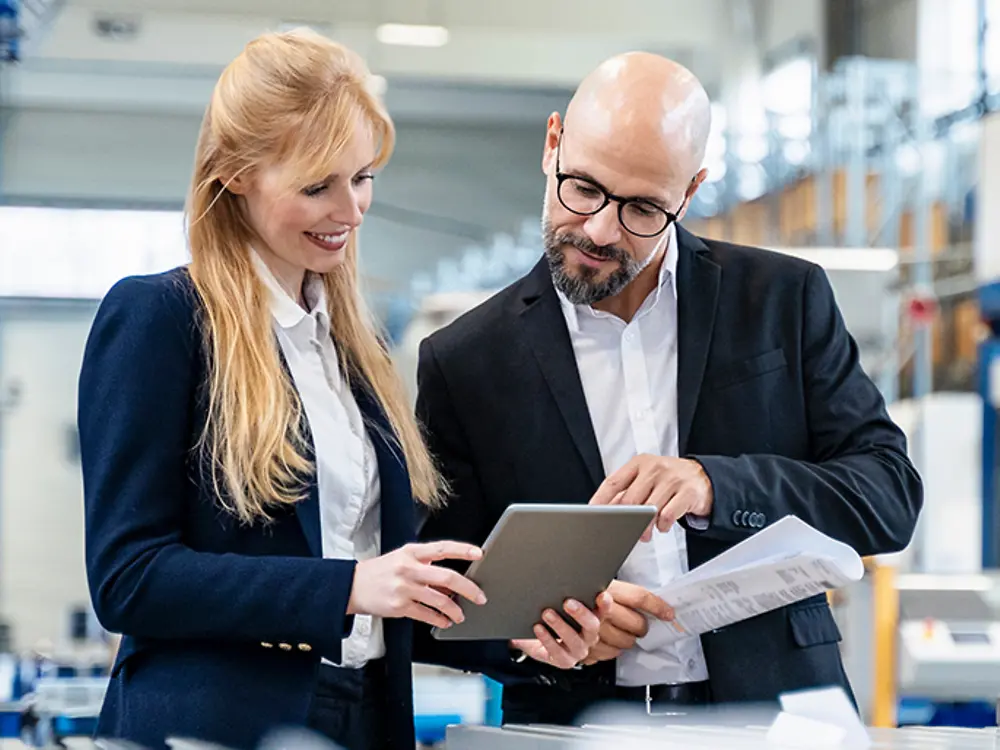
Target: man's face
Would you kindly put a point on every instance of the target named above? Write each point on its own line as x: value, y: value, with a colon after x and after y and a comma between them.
x: 594, y: 257
x: 582, y: 270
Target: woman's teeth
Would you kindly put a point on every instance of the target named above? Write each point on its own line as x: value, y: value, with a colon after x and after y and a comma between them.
x: 332, y: 239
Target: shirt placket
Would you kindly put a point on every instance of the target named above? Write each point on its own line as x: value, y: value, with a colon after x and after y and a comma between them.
x: 649, y: 439
x: 347, y: 526
x: 637, y: 393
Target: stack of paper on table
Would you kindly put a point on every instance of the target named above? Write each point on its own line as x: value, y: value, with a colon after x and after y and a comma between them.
x: 784, y: 563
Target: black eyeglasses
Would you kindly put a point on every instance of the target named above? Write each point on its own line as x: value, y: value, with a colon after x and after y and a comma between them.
x: 585, y: 197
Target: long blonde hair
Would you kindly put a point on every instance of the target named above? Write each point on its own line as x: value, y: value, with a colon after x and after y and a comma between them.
x: 291, y: 99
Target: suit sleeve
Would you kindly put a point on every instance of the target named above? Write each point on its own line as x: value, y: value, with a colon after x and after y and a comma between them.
x: 136, y: 392
x: 859, y: 486
x: 464, y: 518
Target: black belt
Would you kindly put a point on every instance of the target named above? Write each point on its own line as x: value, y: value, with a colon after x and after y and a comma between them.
x: 683, y: 694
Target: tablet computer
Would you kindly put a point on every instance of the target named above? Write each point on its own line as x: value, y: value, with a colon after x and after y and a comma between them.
x: 537, y: 557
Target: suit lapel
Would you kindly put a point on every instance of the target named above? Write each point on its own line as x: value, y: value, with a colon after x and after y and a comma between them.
x: 698, y: 279
x: 545, y: 330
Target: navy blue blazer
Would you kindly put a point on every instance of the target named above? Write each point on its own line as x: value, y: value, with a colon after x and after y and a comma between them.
x: 223, y: 623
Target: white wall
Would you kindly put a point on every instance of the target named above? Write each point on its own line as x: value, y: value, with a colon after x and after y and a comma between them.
x: 41, y: 496
x: 986, y: 242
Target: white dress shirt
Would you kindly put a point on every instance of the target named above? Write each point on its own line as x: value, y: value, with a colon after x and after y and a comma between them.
x: 629, y: 376
x: 346, y: 466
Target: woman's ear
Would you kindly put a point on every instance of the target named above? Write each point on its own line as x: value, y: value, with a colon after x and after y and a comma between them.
x: 238, y: 183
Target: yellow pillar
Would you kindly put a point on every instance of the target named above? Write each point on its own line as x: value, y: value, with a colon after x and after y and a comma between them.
x: 885, y: 605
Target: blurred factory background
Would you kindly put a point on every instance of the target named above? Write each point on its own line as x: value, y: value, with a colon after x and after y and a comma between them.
x: 860, y: 133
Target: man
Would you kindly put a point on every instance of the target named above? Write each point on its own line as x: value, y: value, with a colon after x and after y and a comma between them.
x: 638, y: 363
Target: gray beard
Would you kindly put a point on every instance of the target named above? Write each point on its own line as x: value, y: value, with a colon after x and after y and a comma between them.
x: 581, y: 286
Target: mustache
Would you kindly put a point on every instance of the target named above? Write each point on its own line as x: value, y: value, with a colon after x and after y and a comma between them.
x: 604, y: 252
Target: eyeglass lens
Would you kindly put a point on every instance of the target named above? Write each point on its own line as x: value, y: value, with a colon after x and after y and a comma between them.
x: 582, y: 197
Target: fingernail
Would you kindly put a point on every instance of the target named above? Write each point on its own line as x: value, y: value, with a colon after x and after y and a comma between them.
x: 481, y: 599
x: 550, y: 615
x: 573, y: 606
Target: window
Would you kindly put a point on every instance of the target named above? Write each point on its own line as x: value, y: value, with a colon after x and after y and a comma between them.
x: 81, y: 253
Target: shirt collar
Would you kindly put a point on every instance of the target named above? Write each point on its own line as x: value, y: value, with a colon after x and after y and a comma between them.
x: 667, y: 277
x: 285, y: 310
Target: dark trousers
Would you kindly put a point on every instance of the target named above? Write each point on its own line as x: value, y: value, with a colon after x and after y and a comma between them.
x: 349, y: 707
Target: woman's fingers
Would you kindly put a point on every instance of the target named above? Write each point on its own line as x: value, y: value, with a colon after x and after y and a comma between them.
x: 420, y: 613
x: 449, y: 580
x: 442, y: 603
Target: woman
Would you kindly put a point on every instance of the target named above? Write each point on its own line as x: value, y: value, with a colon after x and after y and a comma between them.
x: 249, y: 460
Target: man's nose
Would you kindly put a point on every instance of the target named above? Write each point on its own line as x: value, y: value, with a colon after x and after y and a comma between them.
x: 603, y: 228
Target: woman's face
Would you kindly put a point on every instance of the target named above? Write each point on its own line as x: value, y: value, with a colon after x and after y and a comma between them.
x: 308, y: 230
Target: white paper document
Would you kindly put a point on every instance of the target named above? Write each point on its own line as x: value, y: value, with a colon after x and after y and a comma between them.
x: 781, y: 564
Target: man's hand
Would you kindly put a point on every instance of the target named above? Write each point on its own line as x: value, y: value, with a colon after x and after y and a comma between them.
x: 571, y: 647
x: 676, y: 486
x: 626, y: 621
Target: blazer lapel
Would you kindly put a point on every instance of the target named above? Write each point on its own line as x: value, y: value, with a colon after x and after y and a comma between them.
x: 698, y: 278
x: 307, y: 509
x: 546, y: 332
x: 398, y: 512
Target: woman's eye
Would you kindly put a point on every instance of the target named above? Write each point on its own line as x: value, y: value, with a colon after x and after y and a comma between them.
x: 362, y: 177
x: 314, y: 190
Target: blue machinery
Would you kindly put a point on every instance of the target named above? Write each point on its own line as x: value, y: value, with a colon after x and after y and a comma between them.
x: 9, y: 31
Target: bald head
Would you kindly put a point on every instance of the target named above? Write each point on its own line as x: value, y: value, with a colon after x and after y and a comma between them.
x: 645, y: 99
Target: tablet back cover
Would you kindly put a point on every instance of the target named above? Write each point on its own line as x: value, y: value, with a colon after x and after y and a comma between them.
x: 540, y: 555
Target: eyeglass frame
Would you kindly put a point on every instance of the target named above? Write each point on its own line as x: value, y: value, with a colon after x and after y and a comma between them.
x: 561, y: 177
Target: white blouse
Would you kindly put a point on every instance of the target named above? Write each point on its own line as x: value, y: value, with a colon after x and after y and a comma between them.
x: 346, y: 465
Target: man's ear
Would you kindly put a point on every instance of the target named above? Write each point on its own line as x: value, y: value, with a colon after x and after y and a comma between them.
x: 553, y: 129
x: 691, y: 190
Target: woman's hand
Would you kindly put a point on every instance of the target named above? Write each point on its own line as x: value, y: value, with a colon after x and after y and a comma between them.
x: 404, y: 583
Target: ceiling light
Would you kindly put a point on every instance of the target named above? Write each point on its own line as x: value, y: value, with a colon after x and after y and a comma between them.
x: 412, y: 35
